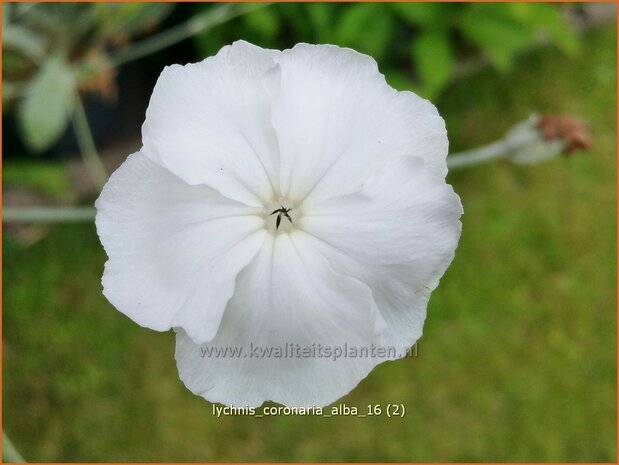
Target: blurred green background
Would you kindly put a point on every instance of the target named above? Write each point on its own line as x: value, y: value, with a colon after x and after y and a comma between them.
x: 518, y: 357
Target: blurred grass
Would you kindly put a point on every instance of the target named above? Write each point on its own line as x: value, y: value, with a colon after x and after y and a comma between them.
x: 48, y: 178
x: 517, y: 362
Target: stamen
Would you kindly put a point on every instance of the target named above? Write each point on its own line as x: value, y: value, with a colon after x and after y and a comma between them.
x: 281, y: 211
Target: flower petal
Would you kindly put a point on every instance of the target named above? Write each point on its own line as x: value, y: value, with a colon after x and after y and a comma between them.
x: 337, y: 120
x: 398, y: 235
x: 287, y: 295
x: 174, y: 249
x: 209, y: 123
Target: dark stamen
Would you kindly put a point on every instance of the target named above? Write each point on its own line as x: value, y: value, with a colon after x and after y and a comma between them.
x: 282, y: 211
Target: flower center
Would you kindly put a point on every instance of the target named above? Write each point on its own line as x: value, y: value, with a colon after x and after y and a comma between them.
x: 280, y: 216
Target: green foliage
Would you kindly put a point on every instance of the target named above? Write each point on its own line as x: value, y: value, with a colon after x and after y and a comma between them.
x: 48, y: 103
x: 128, y: 18
x: 321, y: 17
x: 366, y: 27
x: 24, y: 41
x: 46, y: 48
x: 432, y: 52
x: 416, y: 44
x: 548, y: 19
x: 264, y: 22
x: 50, y: 179
x: 426, y: 15
x: 499, y: 32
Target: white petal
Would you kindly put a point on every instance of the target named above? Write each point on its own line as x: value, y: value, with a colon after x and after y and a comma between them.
x: 288, y: 294
x: 174, y: 249
x: 337, y: 120
x: 209, y: 123
x: 398, y: 235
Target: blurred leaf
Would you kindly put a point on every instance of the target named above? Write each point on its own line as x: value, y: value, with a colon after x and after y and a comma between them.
x: 320, y: 15
x: 295, y: 19
x: 434, y: 59
x: 549, y: 19
x: 47, y: 106
x: 66, y: 24
x: 209, y: 43
x: 49, y: 178
x: 354, y: 21
x: 23, y: 40
x: 148, y: 17
x: 497, y: 32
x: 14, y: 63
x: 365, y: 27
x: 263, y: 21
x: 129, y: 18
x: 423, y: 14
x: 397, y: 79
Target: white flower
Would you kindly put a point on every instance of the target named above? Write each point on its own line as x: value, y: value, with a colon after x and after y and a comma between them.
x: 189, y: 228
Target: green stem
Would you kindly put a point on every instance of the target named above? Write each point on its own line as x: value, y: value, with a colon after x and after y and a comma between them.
x: 86, y: 143
x: 9, y: 452
x: 199, y: 23
x: 47, y: 214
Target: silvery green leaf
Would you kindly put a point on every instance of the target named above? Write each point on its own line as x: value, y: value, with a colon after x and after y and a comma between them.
x: 48, y: 103
x: 23, y: 41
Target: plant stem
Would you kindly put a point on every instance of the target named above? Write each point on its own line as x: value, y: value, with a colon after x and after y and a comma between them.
x: 476, y: 156
x: 47, y: 214
x: 86, y: 143
x: 501, y: 148
x: 9, y: 452
x: 199, y: 23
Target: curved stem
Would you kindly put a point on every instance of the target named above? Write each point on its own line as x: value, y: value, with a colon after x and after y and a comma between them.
x: 86, y: 143
x: 199, y: 23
